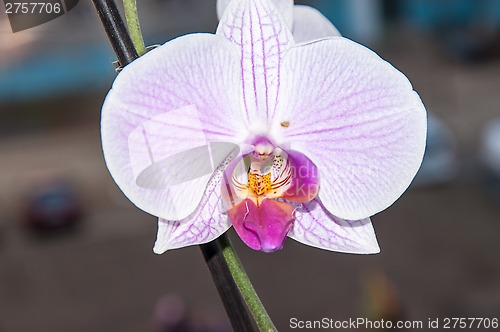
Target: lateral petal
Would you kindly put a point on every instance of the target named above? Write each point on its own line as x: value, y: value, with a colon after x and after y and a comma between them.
x: 187, y: 88
x: 359, y: 121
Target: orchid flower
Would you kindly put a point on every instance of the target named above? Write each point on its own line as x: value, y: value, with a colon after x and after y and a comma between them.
x: 275, y: 125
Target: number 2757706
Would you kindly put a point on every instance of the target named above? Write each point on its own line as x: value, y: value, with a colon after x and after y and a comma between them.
x: 32, y: 8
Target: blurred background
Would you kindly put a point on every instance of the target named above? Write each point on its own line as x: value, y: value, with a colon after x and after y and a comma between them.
x: 75, y: 255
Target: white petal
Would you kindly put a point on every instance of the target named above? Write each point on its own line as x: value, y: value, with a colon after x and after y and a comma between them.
x: 203, y: 225
x: 176, y: 98
x: 357, y: 118
x: 309, y: 24
x: 285, y: 7
x: 316, y: 227
x: 261, y: 34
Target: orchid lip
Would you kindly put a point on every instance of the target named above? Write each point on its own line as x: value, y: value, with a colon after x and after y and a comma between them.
x: 262, y: 188
x: 268, y: 244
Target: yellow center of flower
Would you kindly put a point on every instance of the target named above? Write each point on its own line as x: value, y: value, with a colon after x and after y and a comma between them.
x: 260, y: 184
x: 266, y: 175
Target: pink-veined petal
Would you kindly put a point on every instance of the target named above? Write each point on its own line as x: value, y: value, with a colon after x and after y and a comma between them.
x: 357, y: 118
x: 262, y: 36
x: 309, y: 24
x: 176, y: 98
x: 316, y: 227
x: 285, y: 7
x: 205, y: 224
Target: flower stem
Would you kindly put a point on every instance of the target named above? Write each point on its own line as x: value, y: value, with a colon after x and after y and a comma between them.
x: 134, y: 27
x: 258, y: 311
x: 226, y: 286
x: 116, y: 31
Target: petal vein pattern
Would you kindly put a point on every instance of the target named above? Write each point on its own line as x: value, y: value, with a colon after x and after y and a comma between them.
x: 315, y: 226
x: 357, y: 118
x: 285, y: 7
x: 205, y: 224
x: 187, y: 88
x: 262, y: 35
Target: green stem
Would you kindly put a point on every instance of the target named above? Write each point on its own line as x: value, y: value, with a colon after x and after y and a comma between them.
x: 134, y: 27
x: 257, y: 310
